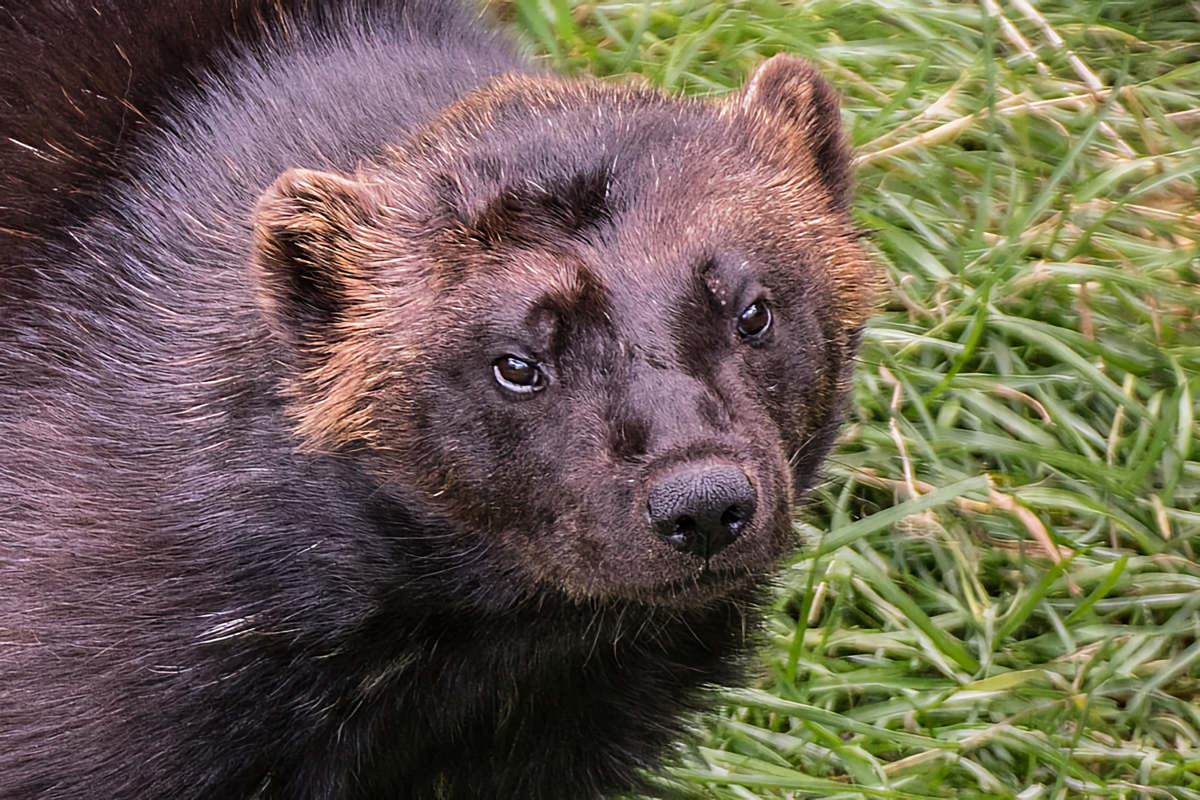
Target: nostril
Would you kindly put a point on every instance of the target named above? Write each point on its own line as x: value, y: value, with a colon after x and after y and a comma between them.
x: 701, y: 510
x: 682, y: 531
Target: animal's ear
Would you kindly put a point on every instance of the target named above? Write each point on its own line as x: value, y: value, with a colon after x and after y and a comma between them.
x: 311, y: 233
x: 795, y: 113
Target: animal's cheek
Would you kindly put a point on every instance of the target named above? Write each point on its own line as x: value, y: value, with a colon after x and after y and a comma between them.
x: 789, y: 385
x: 489, y: 463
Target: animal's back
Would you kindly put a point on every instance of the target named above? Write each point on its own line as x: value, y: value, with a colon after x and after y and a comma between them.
x: 83, y: 83
x: 149, y: 488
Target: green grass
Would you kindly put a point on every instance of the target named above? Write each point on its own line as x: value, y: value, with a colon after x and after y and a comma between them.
x: 1000, y: 595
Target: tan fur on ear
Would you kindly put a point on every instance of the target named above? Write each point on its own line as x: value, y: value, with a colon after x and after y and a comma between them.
x: 308, y: 229
x: 796, y: 118
x: 313, y: 233
x: 782, y: 79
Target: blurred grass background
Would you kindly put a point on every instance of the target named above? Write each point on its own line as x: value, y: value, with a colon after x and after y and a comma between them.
x: 1000, y: 594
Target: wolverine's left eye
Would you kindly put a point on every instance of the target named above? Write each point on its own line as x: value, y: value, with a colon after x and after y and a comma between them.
x: 754, y: 321
x: 518, y: 375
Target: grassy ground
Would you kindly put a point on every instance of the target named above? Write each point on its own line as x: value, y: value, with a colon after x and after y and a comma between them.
x: 1000, y: 597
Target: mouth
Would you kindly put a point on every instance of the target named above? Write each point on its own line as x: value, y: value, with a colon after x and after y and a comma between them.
x: 702, y: 589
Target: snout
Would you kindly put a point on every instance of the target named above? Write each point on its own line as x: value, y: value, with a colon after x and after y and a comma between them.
x: 701, y: 509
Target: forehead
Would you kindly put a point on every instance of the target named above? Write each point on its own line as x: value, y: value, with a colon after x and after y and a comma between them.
x: 627, y: 248
x: 603, y: 201
x: 626, y: 147
x: 650, y: 214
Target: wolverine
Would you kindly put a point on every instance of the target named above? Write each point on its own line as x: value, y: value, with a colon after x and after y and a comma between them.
x: 384, y: 417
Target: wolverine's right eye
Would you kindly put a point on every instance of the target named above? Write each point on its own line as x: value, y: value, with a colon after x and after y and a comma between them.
x: 754, y: 320
x: 518, y: 375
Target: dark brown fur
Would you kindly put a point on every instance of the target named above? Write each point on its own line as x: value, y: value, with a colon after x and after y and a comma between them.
x: 280, y: 517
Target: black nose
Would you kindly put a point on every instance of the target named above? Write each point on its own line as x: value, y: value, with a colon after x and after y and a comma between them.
x: 702, y: 509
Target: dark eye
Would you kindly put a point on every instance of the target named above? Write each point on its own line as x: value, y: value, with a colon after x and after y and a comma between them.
x: 754, y: 320
x: 518, y: 375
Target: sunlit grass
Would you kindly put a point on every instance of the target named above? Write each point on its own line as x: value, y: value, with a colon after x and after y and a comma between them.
x: 1000, y: 595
